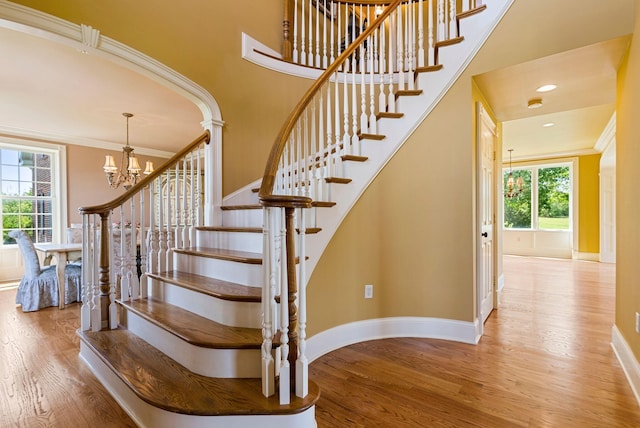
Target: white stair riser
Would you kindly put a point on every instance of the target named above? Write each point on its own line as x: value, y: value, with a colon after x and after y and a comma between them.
x: 227, y: 312
x: 239, y: 241
x: 242, y: 218
x: 240, y: 273
x: 146, y: 415
x: 224, y: 363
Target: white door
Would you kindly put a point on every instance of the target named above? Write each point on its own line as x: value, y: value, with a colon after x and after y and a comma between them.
x: 486, y: 160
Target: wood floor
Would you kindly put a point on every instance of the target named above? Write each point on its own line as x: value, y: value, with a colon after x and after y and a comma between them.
x: 544, y: 361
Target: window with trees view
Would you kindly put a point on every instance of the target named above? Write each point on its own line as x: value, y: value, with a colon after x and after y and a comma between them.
x: 545, y: 202
x: 26, y: 192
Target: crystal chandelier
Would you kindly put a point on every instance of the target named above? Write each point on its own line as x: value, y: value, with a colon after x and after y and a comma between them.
x: 514, y: 187
x: 129, y: 167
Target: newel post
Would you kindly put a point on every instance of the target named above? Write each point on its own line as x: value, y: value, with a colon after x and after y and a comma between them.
x: 287, y: 47
x: 292, y: 287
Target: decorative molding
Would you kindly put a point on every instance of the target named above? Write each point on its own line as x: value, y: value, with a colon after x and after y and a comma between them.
x: 384, y: 328
x: 607, y: 136
x: 88, y: 39
x: 554, y: 156
x: 627, y: 360
x: 18, y: 134
x: 90, y: 36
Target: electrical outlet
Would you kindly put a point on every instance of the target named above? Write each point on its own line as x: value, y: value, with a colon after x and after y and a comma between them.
x: 368, y: 291
x: 637, y: 322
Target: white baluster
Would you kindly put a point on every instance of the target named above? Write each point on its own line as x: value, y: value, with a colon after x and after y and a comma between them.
x: 310, y: 60
x: 400, y: 52
x: 170, y: 218
x: 382, y: 96
x: 337, y: 140
x: 318, y: 63
x: 303, y: 54
x: 142, y: 239
x: 391, y: 105
x: 285, y: 373
x: 453, y: 28
x: 353, y: 146
x: 185, y: 210
x: 373, y: 125
x: 87, y: 274
x: 162, y: 244
x: 295, y: 31
x: 268, y: 372
x: 331, y: 28
x: 442, y: 28
x: 364, y: 126
x: 302, y: 364
x: 411, y: 45
x: 317, y: 159
x: 96, y: 312
x: 421, y: 59
x: 177, y: 233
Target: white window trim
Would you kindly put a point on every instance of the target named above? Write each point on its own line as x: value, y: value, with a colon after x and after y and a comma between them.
x: 572, y: 162
x: 58, y: 154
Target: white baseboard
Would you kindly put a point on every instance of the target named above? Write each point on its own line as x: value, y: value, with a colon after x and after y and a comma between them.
x: 627, y: 360
x: 591, y: 257
x: 383, y: 328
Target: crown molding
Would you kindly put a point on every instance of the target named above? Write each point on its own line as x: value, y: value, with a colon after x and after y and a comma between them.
x: 607, y: 136
x: 17, y: 134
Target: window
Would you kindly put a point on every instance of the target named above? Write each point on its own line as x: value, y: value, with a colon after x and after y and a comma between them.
x: 545, y: 202
x: 27, y: 192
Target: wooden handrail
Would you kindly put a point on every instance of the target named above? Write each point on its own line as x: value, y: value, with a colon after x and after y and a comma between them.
x: 106, y: 207
x: 271, y: 169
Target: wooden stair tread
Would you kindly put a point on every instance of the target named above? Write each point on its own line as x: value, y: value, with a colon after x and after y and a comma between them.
x: 241, y: 207
x: 192, y: 328
x: 354, y: 158
x: 222, y: 254
x: 471, y: 12
x: 429, y: 68
x: 163, y: 383
x: 377, y: 137
x: 449, y: 42
x: 386, y: 114
x: 214, y: 287
x: 338, y: 180
x: 408, y: 92
x: 323, y: 204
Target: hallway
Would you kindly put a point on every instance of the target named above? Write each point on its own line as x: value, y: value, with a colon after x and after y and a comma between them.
x: 545, y: 361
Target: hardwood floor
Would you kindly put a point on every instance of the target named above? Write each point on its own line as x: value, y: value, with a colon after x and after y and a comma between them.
x: 544, y: 361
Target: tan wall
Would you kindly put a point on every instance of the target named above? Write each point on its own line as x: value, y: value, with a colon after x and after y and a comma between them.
x: 201, y: 39
x: 86, y: 181
x: 628, y: 193
x: 412, y: 233
x: 589, y: 204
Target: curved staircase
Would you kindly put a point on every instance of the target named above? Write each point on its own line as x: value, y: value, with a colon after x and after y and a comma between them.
x: 211, y: 334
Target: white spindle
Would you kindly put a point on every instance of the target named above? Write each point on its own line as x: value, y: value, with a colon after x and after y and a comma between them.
x: 373, y: 126
x: 453, y: 28
x: 421, y: 59
x: 285, y: 373
x: 87, y: 275
x: 331, y: 28
x: 399, y: 47
x: 302, y: 364
x: 177, y: 188
x: 185, y: 218
x: 295, y: 32
x: 318, y: 63
x: 430, y: 31
x: 324, y: 39
x: 391, y: 105
x: 303, y: 54
x: 162, y: 244
x: 353, y: 144
x: 411, y: 45
x: 364, y: 127
x: 442, y: 27
x: 310, y: 59
x: 268, y: 300
x: 143, y: 248
x: 382, y: 100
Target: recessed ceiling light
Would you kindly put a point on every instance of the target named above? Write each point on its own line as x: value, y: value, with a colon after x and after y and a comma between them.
x: 549, y: 124
x: 534, y: 103
x: 546, y: 88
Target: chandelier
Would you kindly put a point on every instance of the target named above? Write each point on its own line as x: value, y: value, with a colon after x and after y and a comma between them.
x: 514, y: 187
x: 130, y: 169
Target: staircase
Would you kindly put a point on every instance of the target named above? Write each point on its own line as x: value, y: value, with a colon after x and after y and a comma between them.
x: 213, y: 331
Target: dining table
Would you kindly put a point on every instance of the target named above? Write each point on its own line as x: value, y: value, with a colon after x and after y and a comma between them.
x: 62, y: 253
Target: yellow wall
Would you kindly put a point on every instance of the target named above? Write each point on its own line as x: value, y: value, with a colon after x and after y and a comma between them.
x: 201, y: 39
x: 628, y: 192
x: 589, y: 204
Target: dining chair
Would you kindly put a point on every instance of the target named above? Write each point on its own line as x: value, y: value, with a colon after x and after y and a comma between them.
x: 39, y: 286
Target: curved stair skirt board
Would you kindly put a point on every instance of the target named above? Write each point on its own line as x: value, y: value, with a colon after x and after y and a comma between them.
x: 222, y: 363
x: 147, y: 415
x: 385, y: 328
x: 627, y: 359
x: 247, y: 274
x: 227, y: 312
x: 475, y: 29
x: 237, y: 241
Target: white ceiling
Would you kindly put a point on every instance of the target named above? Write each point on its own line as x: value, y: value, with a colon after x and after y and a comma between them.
x: 54, y: 92
x: 580, y: 107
